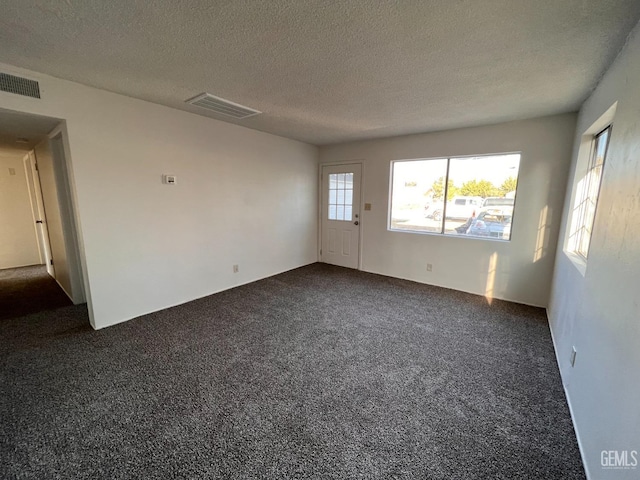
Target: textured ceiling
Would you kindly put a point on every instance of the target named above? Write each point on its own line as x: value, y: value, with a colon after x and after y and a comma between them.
x: 32, y: 128
x: 330, y: 71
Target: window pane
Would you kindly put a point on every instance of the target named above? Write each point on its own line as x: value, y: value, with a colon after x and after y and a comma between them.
x: 601, y: 147
x: 340, y: 196
x: 348, y: 213
x: 348, y: 180
x: 586, y: 200
x: 594, y: 182
x: 417, y: 193
x: 482, y: 193
x: 348, y: 197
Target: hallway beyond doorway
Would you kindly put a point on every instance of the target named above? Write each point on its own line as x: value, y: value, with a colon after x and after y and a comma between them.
x: 28, y: 290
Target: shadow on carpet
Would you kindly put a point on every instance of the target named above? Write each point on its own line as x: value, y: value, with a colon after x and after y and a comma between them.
x: 28, y: 290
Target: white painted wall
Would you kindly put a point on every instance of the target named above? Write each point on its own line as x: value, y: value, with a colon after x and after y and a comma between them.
x: 243, y: 197
x: 599, y: 312
x: 18, y: 243
x: 465, y: 263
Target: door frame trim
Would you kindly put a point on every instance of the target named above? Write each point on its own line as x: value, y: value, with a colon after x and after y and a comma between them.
x: 75, y: 243
x: 360, y: 162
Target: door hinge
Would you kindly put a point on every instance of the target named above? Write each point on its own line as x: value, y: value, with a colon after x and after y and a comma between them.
x: 320, y: 252
x: 51, y: 261
x: 36, y: 165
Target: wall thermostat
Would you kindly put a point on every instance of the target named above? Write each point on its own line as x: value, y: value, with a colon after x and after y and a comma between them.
x: 169, y: 179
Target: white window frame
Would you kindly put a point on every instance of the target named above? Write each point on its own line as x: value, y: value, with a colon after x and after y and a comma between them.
x: 446, y: 192
x: 584, y: 189
x: 589, y: 195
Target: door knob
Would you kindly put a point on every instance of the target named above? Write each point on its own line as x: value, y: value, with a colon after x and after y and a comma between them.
x: 356, y: 223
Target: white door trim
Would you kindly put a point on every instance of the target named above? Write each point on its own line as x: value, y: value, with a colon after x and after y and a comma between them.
x: 68, y: 200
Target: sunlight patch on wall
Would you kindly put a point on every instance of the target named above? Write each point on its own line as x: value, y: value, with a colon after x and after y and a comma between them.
x: 491, y: 277
x: 542, y: 242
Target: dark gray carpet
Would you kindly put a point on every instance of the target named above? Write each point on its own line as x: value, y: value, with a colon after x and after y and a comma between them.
x: 321, y: 372
x: 29, y: 290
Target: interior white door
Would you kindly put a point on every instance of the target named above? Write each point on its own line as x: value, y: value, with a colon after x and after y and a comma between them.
x: 35, y: 190
x: 340, y: 223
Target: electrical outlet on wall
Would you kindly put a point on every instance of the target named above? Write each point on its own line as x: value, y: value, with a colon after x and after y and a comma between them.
x: 573, y: 356
x: 429, y: 267
x: 236, y: 269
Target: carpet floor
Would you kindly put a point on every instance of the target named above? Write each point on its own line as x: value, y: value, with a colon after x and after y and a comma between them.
x: 320, y: 372
x: 29, y: 290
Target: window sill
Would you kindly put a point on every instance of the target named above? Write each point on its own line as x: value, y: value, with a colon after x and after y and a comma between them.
x: 579, y: 262
x: 446, y: 235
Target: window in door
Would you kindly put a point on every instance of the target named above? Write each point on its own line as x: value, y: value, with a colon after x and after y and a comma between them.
x: 341, y: 196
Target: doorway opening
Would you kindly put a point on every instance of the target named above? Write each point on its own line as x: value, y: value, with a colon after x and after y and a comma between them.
x: 39, y: 235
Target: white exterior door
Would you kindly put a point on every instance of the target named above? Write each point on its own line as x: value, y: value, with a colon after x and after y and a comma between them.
x: 341, y: 215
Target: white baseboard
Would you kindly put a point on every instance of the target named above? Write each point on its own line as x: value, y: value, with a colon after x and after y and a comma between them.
x: 203, y: 296
x: 568, y: 397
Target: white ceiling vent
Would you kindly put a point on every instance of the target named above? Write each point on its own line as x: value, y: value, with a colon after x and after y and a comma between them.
x: 222, y: 106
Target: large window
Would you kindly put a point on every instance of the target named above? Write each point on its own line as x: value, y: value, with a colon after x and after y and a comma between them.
x: 587, y: 192
x: 480, y: 195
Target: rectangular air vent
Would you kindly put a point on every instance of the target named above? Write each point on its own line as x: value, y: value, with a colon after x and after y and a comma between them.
x: 222, y: 106
x: 19, y: 85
